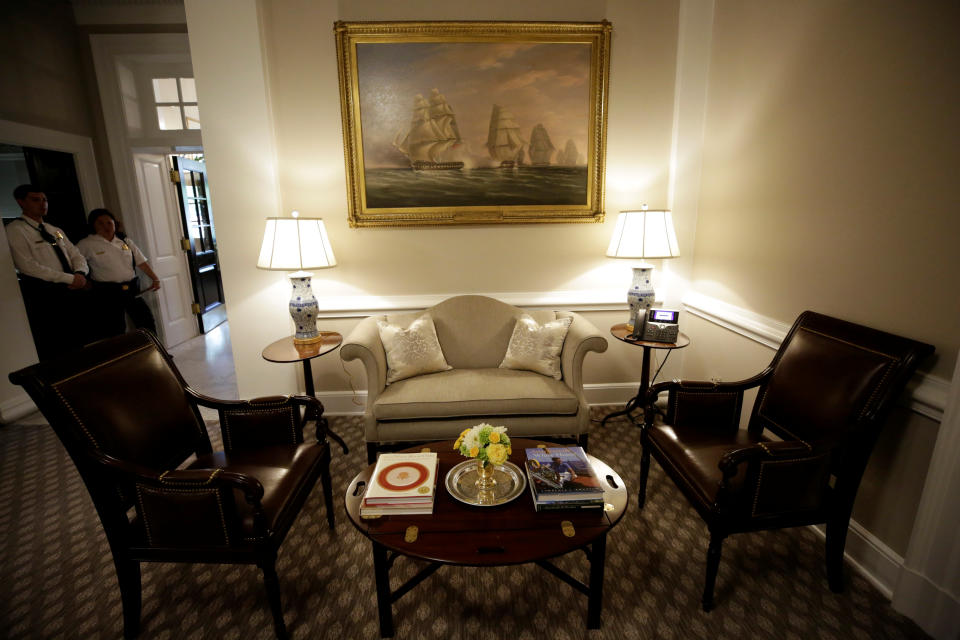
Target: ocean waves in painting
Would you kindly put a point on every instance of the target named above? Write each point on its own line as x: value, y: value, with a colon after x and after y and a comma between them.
x: 522, y: 186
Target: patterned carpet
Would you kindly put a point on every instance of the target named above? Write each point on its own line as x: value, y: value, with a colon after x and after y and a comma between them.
x: 57, y: 578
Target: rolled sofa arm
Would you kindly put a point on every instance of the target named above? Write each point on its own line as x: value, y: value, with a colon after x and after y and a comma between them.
x: 582, y: 337
x: 364, y: 344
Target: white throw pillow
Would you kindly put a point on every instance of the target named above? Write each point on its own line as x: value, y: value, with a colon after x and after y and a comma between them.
x: 536, y: 347
x: 412, y: 351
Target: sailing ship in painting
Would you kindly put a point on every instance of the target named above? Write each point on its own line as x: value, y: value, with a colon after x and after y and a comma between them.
x: 504, y: 142
x: 541, y: 149
x: 432, y: 141
x: 569, y: 156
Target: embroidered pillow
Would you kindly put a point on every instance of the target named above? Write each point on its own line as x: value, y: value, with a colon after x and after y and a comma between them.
x: 412, y: 351
x: 536, y: 347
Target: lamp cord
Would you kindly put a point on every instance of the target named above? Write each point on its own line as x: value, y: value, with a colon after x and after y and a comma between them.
x: 355, y: 400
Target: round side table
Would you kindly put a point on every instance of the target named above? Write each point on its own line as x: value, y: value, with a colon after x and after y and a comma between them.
x: 286, y: 350
x: 622, y: 332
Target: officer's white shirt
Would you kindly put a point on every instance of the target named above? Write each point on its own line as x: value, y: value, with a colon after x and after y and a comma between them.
x: 110, y: 260
x: 34, y: 256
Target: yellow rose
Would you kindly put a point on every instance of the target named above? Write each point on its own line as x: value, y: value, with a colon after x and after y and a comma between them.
x: 497, y: 453
x: 474, y: 451
x: 495, y: 436
x: 456, y: 445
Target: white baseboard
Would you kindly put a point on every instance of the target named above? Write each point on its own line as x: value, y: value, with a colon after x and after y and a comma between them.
x: 926, y: 394
x: 935, y: 610
x: 876, y: 562
x: 15, y: 408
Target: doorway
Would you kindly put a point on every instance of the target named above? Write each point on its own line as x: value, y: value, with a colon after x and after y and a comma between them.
x: 200, y: 241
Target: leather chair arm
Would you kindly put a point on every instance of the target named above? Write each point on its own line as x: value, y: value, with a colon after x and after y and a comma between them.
x: 582, y: 337
x: 190, y: 507
x: 764, y: 451
x: 704, y: 403
x: 364, y: 344
x: 769, y: 478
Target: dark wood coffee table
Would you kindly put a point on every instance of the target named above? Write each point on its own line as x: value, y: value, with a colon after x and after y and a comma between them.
x: 513, y: 533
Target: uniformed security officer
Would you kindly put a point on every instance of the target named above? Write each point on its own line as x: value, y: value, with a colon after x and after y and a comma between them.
x: 52, y: 276
x: 113, y: 260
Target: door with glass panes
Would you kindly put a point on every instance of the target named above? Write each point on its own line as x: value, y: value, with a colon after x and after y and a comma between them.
x: 200, y: 243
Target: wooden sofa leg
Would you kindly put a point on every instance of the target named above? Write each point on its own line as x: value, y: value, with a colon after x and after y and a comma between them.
x: 371, y: 452
x: 584, y: 441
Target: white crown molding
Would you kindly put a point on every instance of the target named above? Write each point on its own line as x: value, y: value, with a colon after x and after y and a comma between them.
x: 925, y: 394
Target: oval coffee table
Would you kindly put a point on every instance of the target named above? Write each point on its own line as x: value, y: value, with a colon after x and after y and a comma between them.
x: 513, y: 533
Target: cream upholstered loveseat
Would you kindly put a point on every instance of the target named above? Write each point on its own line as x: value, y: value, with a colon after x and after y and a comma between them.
x: 474, y: 333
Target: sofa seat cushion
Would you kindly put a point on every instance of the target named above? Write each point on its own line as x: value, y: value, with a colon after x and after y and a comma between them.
x: 475, y: 392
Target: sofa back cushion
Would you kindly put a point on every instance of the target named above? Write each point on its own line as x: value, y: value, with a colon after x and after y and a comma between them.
x: 474, y: 331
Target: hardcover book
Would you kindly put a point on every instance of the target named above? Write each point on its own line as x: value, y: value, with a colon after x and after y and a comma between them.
x: 403, y: 479
x: 561, y: 473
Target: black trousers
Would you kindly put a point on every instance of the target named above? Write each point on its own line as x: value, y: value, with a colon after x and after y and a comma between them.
x: 113, y: 303
x: 59, y: 317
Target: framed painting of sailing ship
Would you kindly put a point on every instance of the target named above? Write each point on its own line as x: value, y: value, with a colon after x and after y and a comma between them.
x: 473, y: 122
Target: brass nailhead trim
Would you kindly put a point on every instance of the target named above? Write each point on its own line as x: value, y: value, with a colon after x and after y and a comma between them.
x: 216, y: 493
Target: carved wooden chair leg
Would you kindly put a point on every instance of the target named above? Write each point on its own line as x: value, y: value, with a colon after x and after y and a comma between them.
x: 644, y: 473
x: 128, y: 576
x: 272, y: 583
x: 836, y: 541
x: 713, y: 565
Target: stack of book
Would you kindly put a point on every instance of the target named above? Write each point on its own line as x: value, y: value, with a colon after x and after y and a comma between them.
x: 401, y: 484
x: 562, y: 478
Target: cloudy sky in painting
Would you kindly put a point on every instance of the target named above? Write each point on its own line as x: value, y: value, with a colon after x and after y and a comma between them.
x: 544, y: 84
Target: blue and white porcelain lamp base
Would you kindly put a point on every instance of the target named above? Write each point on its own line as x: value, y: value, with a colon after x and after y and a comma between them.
x: 640, y: 297
x: 304, y: 309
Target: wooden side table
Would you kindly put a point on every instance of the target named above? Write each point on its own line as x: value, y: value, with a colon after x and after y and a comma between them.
x: 286, y: 350
x: 622, y: 332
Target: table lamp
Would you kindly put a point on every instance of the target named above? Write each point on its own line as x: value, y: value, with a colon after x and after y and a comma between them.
x: 295, y: 244
x: 642, y: 234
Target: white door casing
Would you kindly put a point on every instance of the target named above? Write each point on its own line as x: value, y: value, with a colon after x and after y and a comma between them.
x: 161, y: 244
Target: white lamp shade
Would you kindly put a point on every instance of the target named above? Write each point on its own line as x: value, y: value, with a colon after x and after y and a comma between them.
x: 644, y: 234
x: 293, y: 244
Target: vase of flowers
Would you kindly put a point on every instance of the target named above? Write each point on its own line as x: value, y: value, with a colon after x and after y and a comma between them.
x: 490, y: 446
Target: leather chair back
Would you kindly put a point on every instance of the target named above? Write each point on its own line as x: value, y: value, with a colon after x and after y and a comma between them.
x: 830, y: 379
x: 148, y: 420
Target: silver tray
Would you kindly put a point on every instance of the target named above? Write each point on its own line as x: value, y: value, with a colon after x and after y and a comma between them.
x: 461, y: 480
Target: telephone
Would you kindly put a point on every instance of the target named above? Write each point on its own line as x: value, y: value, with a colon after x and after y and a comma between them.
x: 661, y: 325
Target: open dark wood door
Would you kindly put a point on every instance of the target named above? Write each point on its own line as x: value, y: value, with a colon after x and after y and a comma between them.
x: 200, y: 242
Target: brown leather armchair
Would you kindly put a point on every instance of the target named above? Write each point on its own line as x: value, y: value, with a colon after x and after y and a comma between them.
x: 131, y: 424
x: 819, y: 408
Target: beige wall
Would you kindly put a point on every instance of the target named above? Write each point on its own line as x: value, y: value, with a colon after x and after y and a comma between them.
x: 292, y: 47
x: 819, y: 136
x: 830, y: 158
x: 41, y: 80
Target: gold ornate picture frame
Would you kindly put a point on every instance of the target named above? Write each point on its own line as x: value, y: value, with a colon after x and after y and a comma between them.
x: 473, y: 122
